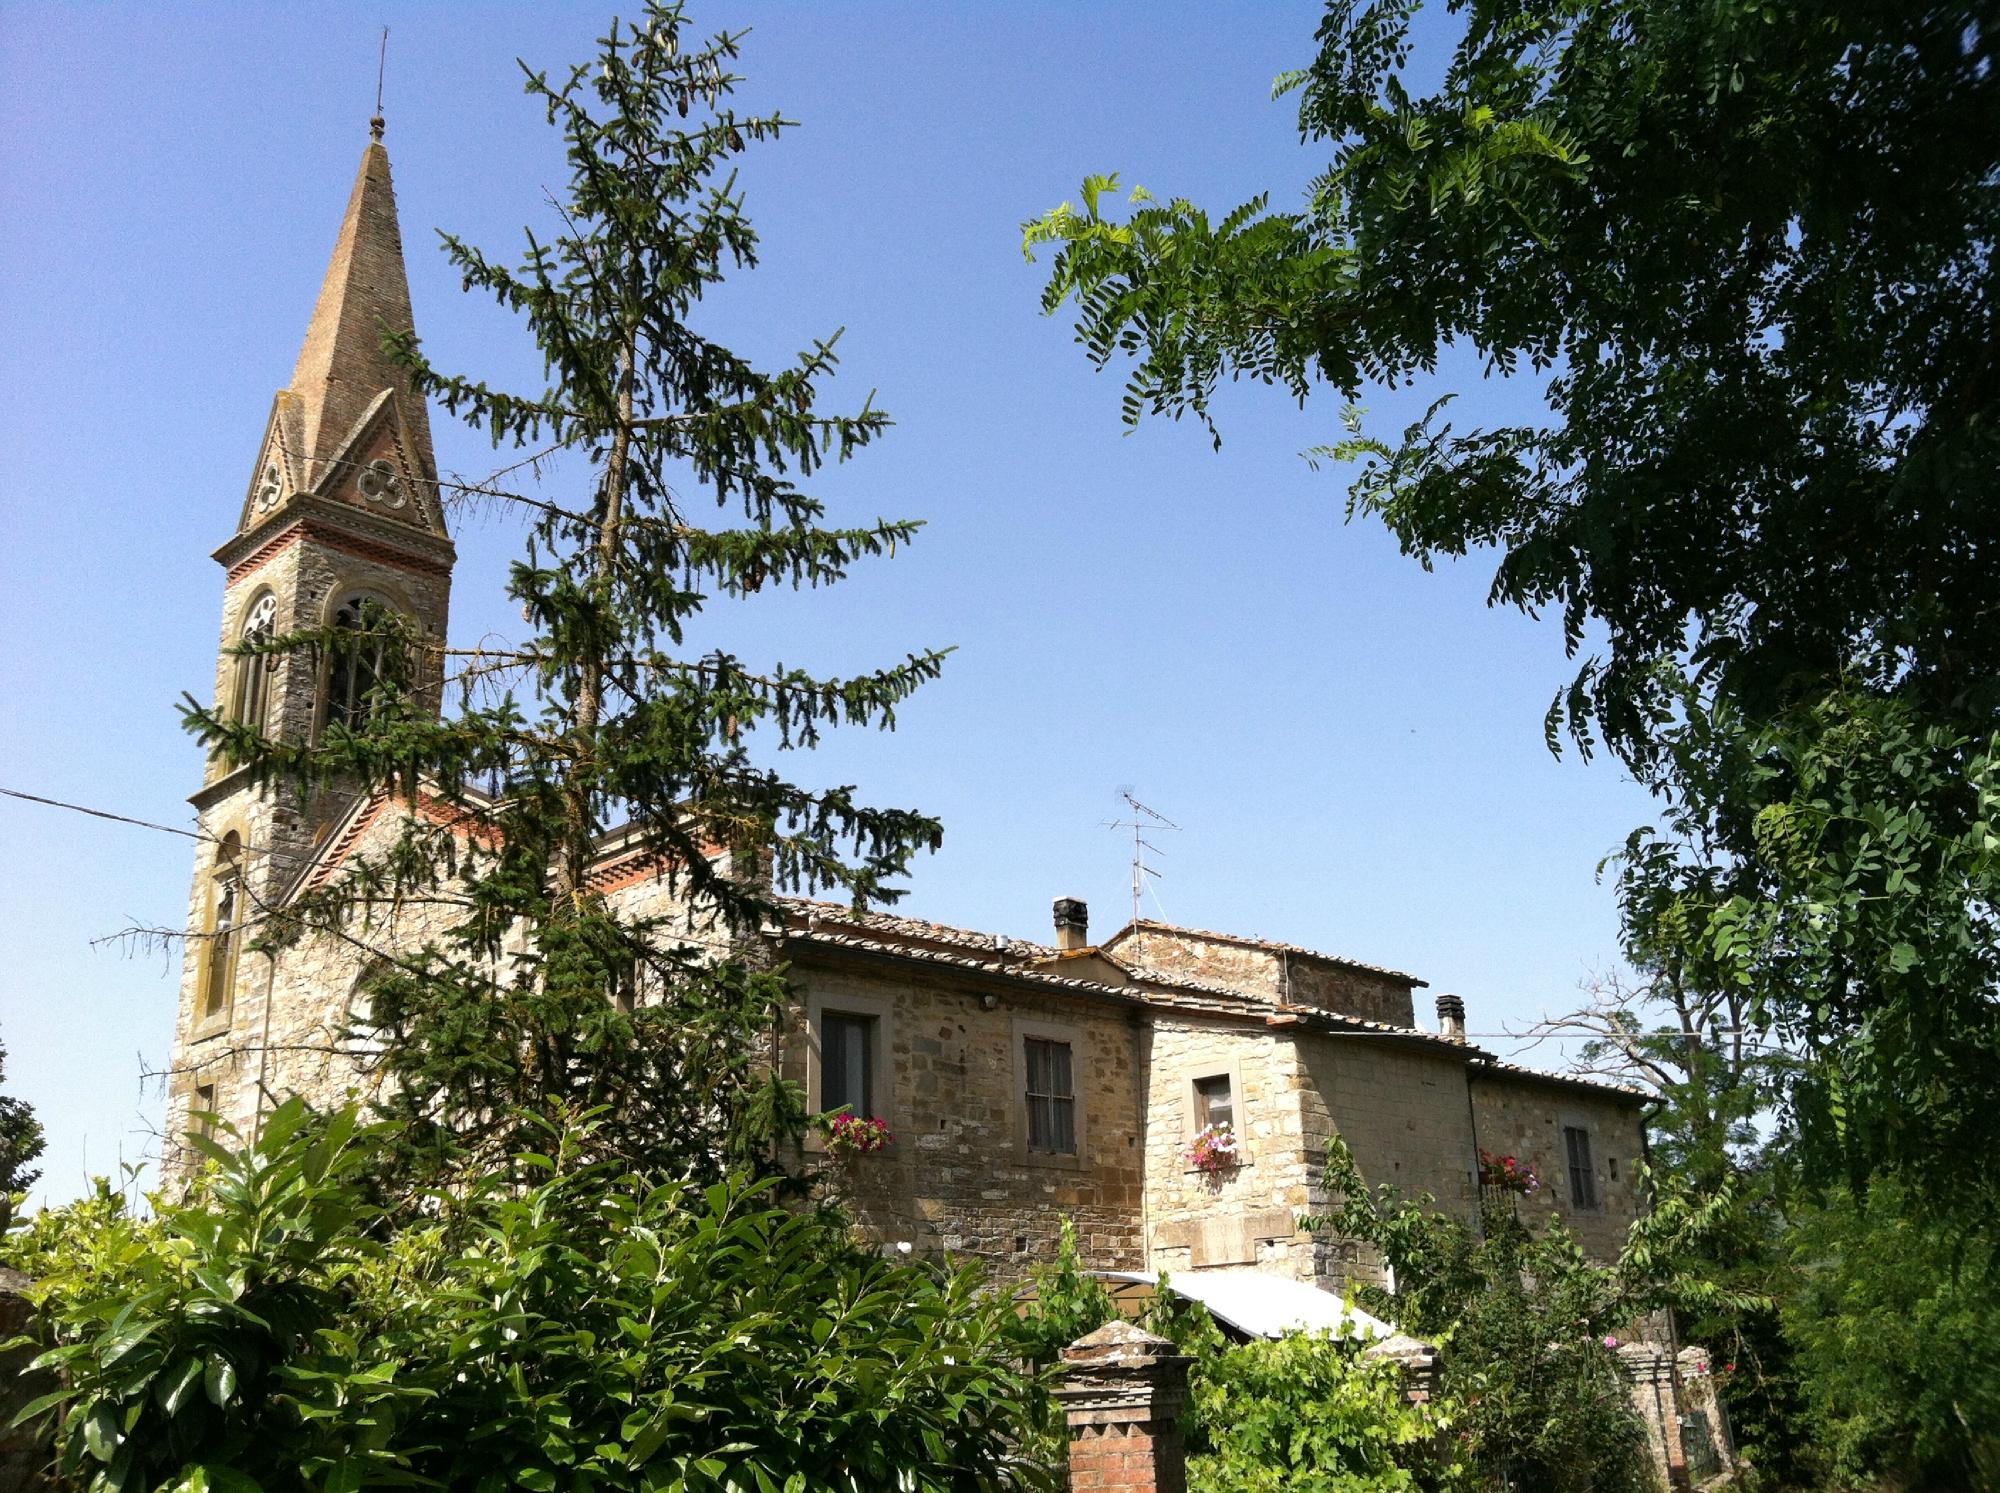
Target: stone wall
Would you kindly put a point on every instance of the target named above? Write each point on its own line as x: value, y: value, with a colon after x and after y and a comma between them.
x: 1524, y: 1117
x: 1687, y: 1429
x: 295, y: 1024
x: 1271, y: 971
x: 959, y: 1177
x: 1404, y: 1113
x: 1244, y: 1217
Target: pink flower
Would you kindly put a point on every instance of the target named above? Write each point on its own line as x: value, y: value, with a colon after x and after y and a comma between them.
x: 1214, y: 1149
x: 1609, y: 1341
x: 853, y: 1135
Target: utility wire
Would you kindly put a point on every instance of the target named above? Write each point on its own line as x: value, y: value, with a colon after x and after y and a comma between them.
x: 168, y: 829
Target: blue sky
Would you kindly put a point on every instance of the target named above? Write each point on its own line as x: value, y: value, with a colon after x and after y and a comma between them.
x: 1353, y: 746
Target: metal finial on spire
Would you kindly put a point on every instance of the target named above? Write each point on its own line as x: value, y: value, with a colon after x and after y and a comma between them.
x: 378, y: 123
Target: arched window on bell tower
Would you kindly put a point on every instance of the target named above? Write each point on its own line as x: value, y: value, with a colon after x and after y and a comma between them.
x: 224, y: 930
x: 364, y: 668
x: 256, y: 672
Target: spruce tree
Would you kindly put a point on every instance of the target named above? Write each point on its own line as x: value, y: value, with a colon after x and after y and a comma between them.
x: 606, y: 720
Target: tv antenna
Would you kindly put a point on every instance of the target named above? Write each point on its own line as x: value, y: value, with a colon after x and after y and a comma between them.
x: 1144, y: 821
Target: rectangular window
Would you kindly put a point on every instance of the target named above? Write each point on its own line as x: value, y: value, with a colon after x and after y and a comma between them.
x: 1582, y: 1185
x: 847, y: 1063
x: 1051, y: 1097
x: 201, y: 1111
x: 1213, y: 1103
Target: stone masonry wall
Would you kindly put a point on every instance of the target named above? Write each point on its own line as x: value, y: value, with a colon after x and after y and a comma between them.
x: 1244, y: 1217
x: 1403, y: 1111
x: 278, y: 827
x: 959, y: 1177
x: 1524, y: 1117
x: 289, y: 1028
x: 286, y: 1032
x: 1293, y: 977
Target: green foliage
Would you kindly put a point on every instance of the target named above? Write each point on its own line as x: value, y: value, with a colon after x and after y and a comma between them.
x: 1526, y: 1325
x: 1896, y: 1355
x: 55, y: 1238
x: 596, y: 1328
x: 21, y: 1141
x: 1306, y: 1413
x: 1838, y: 867
x: 1068, y: 1300
x: 1725, y: 245
x: 1301, y: 1412
x: 609, y: 718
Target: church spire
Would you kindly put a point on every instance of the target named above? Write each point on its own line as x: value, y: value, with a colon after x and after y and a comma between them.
x: 342, y: 372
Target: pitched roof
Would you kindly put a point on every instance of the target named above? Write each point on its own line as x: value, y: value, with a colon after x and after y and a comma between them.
x: 832, y: 927
x: 880, y: 935
x: 1148, y: 925
x: 813, y: 912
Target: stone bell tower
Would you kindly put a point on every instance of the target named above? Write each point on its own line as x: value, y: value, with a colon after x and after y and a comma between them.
x: 341, y: 517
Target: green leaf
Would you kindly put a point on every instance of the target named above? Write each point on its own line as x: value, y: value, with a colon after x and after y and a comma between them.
x: 219, y: 1381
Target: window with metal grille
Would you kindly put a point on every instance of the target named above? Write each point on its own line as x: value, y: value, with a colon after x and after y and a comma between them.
x: 847, y: 1063
x: 1582, y: 1185
x: 1213, y: 1102
x: 1051, y: 1097
x: 366, y: 665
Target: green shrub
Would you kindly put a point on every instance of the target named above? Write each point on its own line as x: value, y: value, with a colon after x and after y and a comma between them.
x: 1305, y: 1414
x: 1525, y: 1327
x: 1892, y: 1327
x: 1302, y: 1413
x: 594, y: 1329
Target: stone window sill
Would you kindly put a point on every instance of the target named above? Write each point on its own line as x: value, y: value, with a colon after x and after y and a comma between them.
x: 211, y: 1028
x: 1061, y: 1161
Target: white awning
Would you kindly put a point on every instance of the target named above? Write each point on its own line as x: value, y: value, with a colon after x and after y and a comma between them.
x: 1263, y: 1305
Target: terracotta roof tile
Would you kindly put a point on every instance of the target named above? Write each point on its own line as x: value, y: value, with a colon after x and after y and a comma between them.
x: 1270, y: 945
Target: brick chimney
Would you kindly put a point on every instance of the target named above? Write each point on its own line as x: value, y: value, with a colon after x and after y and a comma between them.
x: 1451, y: 1018
x: 1122, y: 1390
x: 1072, y: 924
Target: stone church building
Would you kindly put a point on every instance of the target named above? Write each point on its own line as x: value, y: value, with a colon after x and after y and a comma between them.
x: 1024, y: 1081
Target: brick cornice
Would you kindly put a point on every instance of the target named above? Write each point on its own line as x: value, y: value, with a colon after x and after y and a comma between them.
x: 332, y: 525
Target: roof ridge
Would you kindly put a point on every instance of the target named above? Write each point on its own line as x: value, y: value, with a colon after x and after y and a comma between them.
x: 1272, y: 944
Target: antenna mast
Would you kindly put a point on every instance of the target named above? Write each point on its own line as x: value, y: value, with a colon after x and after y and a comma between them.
x: 1144, y: 821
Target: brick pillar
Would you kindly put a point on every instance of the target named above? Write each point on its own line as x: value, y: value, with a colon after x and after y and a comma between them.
x: 1123, y: 1390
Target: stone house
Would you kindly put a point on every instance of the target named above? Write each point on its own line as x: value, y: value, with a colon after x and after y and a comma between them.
x: 1025, y: 1082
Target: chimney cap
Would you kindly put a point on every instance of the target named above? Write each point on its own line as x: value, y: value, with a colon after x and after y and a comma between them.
x: 1451, y: 1017
x: 1072, y: 923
